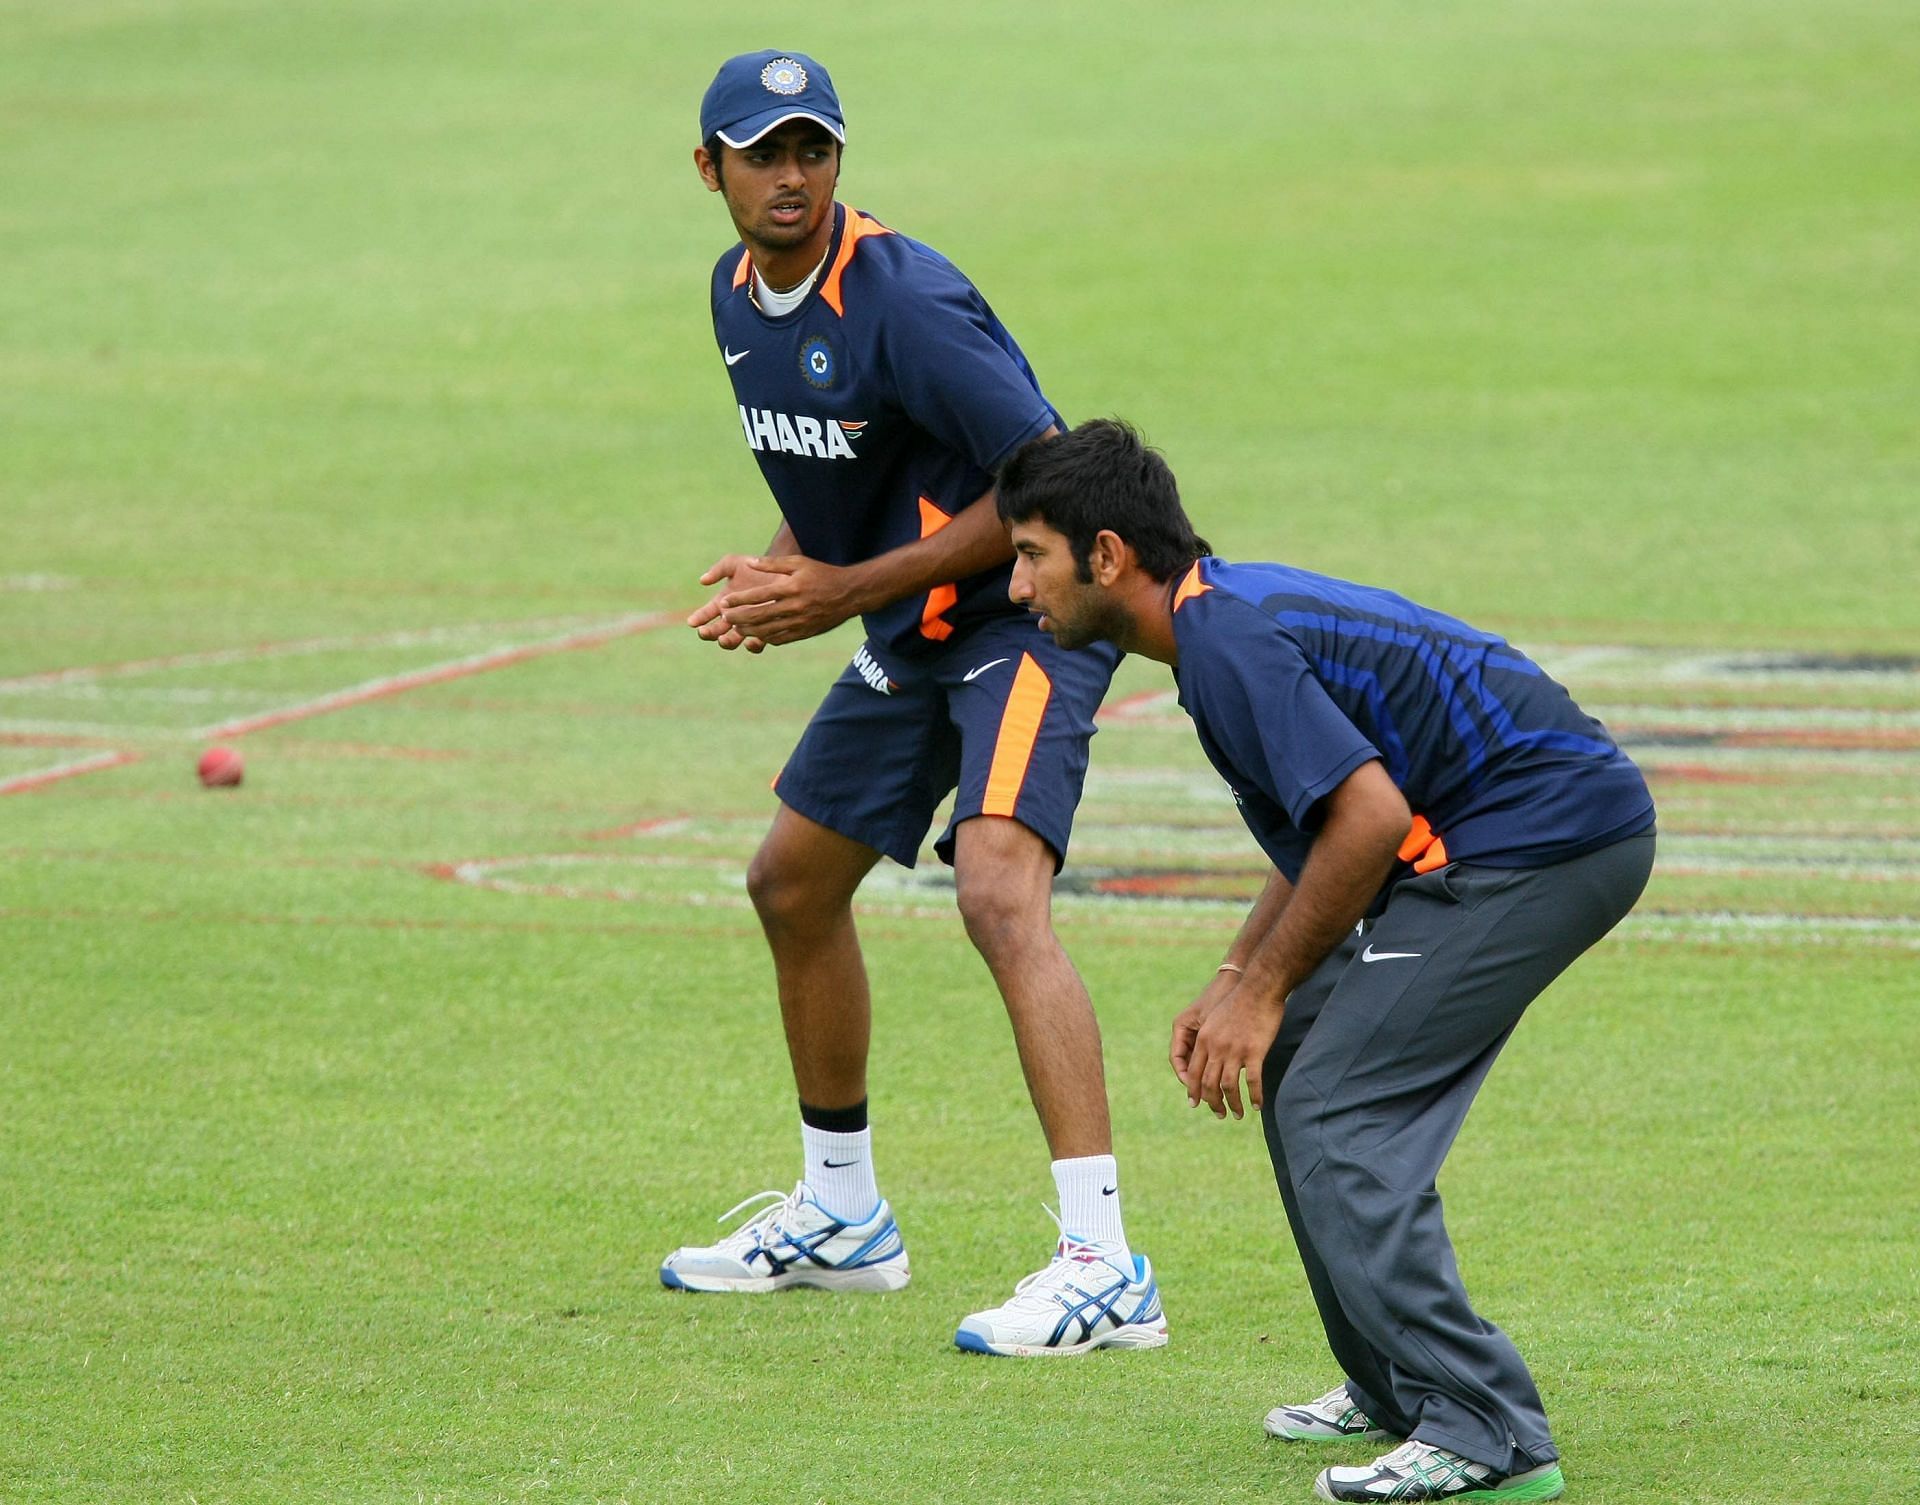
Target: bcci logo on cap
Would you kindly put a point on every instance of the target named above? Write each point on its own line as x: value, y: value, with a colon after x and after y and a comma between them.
x: 784, y: 76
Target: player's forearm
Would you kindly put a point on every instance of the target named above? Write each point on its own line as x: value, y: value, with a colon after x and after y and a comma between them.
x: 1259, y: 923
x: 974, y: 541
x: 1367, y: 820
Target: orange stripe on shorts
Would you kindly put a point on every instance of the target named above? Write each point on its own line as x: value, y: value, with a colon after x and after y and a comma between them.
x: 1019, y: 730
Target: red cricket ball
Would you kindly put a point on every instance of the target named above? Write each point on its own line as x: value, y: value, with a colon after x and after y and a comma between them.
x: 221, y: 768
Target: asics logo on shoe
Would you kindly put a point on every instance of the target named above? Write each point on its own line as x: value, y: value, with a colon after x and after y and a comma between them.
x: 972, y: 674
x: 796, y: 1242
x: 1088, y: 1310
x: 734, y: 357
x: 1370, y: 955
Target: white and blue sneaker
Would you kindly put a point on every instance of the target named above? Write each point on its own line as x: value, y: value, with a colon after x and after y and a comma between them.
x: 1081, y: 1301
x: 796, y: 1242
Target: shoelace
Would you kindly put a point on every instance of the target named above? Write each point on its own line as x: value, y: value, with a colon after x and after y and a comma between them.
x: 748, y: 1233
x: 1335, y: 1400
x: 1410, y: 1455
x: 1062, y: 1272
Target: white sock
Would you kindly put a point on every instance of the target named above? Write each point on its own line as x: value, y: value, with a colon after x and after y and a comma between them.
x: 1089, y: 1190
x: 840, y: 1171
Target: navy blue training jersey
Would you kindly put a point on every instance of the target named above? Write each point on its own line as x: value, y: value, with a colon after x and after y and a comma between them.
x: 1294, y: 680
x: 879, y: 408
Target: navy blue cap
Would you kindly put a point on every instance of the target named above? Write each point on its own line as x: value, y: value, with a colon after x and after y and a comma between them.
x: 756, y: 91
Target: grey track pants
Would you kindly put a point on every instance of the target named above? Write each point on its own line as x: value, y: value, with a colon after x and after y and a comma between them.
x: 1377, y: 1061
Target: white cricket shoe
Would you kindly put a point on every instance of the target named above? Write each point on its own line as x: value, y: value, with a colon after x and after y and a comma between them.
x: 796, y: 1242
x: 1421, y: 1471
x: 1332, y: 1417
x: 1081, y: 1301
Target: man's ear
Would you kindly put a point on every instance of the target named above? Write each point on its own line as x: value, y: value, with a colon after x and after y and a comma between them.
x: 1109, y: 556
x: 709, y: 173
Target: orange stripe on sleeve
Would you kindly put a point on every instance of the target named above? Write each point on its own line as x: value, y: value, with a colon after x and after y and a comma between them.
x: 1190, y: 587
x: 859, y: 227
x: 942, y: 597
x: 1019, y: 730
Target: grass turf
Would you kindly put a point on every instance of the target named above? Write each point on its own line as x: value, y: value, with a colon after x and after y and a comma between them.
x: 328, y: 1178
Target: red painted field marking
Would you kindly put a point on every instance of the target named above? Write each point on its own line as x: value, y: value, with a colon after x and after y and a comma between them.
x: 22, y: 782
x: 360, y: 694
x: 433, y: 674
x: 1133, y: 707
x: 56, y: 739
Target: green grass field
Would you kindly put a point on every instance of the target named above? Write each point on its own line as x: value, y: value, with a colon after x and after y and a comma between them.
x: 344, y: 1117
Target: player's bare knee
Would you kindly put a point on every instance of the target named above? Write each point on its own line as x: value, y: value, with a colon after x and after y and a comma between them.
x: 1004, y: 921
x: 781, y: 893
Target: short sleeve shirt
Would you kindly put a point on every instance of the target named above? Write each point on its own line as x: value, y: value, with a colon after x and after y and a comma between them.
x: 1294, y: 680
x: 879, y: 408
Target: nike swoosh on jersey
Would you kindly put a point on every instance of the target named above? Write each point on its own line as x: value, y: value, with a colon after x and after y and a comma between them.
x: 972, y: 674
x: 735, y: 357
x: 1370, y: 955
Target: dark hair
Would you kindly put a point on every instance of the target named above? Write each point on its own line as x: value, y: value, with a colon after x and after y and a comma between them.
x: 1102, y: 475
x: 716, y: 149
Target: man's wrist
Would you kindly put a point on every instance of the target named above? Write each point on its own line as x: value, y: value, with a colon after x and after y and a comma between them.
x: 1259, y: 989
x: 864, y: 592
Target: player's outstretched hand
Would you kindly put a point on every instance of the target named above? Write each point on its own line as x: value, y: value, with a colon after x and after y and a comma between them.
x: 710, y: 620
x: 1234, y: 1038
x: 788, y: 598
x: 1186, y: 1023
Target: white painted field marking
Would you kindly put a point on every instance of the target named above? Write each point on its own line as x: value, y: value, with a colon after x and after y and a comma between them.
x: 1592, y: 666
x: 1893, y: 930
x: 353, y: 695
x: 413, y: 637
x: 926, y: 893
x: 37, y: 583
x: 33, y: 726
x: 111, y: 694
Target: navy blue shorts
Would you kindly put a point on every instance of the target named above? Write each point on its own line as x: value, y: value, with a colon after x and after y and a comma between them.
x: 999, y: 713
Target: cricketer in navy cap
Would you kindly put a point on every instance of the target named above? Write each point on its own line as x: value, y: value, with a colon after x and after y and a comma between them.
x: 753, y: 93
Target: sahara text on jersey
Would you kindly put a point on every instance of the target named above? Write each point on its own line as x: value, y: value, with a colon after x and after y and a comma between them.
x: 797, y: 434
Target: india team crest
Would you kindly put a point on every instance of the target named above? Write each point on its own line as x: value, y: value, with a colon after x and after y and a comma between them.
x: 816, y: 361
x: 784, y: 76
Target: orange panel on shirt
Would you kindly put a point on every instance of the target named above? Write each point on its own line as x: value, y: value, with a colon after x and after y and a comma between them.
x: 745, y: 269
x: 858, y: 228
x: 1019, y: 730
x: 1190, y: 587
x: 941, y: 597
x: 1423, y: 843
